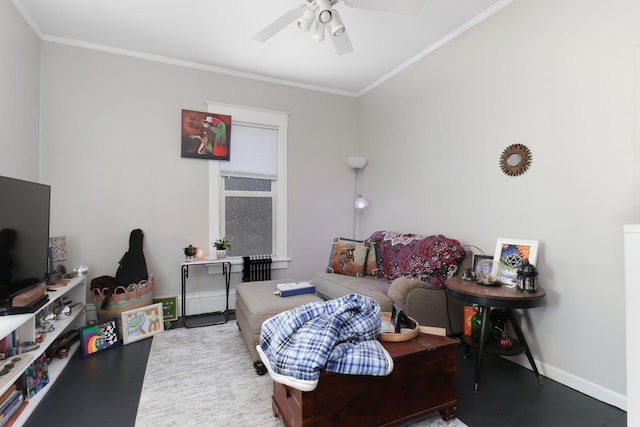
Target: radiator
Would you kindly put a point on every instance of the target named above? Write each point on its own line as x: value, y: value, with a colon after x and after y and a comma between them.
x: 256, y: 268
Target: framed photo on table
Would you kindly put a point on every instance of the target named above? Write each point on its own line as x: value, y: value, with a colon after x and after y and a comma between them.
x: 482, y: 267
x: 141, y: 323
x: 509, y: 255
x: 478, y: 261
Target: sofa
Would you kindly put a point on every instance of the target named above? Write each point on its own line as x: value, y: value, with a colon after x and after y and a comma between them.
x: 409, y: 269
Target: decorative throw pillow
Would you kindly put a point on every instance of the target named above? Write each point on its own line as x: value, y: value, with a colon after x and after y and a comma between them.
x: 372, y: 267
x: 348, y: 257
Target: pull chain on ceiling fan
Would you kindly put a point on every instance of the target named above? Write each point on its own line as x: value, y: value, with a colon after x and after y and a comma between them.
x: 321, y: 15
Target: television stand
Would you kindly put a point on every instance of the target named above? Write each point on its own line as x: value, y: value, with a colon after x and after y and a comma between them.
x: 25, y: 327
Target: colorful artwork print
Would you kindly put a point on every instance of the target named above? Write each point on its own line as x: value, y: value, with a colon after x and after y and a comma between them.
x: 99, y: 337
x: 36, y: 376
x: 142, y: 323
x: 509, y: 255
x: 205, y: 135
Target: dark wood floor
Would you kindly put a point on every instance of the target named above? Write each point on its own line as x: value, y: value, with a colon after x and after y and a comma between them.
x: 103, y: 391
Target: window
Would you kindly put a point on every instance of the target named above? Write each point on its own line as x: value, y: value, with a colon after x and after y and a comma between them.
x: 249, y: 190
x: 247, y: 194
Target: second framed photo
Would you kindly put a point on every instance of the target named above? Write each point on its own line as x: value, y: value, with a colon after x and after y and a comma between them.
x: 141, y: 323
x: 482, y: 268
x: 509, y: 255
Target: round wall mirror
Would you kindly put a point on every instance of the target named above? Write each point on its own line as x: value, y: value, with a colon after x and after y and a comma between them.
x: 515, y: 159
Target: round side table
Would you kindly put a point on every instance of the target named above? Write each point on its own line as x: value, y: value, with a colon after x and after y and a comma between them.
x: 496, y: 296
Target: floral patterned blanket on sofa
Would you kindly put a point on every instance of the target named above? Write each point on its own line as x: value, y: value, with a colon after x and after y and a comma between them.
x: 432, y: 259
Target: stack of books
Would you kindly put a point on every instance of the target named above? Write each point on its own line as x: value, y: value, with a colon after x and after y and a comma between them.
x: 11, y: 405
x: 290, y: 289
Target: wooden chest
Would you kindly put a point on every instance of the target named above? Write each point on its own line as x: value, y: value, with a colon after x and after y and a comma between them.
x: 423, y: 380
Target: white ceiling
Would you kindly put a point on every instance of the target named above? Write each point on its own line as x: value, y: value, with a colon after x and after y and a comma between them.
x: 217, y: 35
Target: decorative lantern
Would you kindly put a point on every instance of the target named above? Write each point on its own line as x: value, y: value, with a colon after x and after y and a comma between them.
x: 527, y: 277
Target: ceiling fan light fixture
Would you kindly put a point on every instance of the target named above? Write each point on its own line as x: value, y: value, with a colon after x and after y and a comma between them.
x: 324, y: 11
x: 318, y: 32
x: 325, y: 16
x: 336, y: 25
x: 307, y: 18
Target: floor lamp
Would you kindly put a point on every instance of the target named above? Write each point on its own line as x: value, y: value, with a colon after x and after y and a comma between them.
x: 357, y: 163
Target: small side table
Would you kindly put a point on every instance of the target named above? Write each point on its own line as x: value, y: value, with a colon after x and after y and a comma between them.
x: 496, y: 296
x: 192, y: 320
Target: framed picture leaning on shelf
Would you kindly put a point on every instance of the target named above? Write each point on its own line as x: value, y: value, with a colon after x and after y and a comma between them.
x: 169, y: 307
x: 141, y: 323
x: 99, y: 337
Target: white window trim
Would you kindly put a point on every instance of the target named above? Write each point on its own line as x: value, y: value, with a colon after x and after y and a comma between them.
x: 273, y: 118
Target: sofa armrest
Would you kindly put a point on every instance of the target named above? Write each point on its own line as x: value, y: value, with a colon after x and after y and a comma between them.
x: 428, y: 304
x: 433, y: 307
x: 402, y: 286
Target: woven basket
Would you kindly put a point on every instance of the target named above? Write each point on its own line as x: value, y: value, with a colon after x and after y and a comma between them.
x: 135, y: 295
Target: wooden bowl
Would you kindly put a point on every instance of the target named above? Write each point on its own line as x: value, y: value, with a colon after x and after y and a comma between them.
x: 401, y: 336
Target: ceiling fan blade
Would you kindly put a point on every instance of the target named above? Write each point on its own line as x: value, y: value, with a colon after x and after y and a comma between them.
x: 407, y: 7
x: 341, y: 43
x: 277, y: 25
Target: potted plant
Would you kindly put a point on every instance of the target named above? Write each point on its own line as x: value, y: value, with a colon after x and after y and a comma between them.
x: 221, y: 247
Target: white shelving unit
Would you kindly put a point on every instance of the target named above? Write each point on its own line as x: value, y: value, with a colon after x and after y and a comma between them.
x: 25, y: 327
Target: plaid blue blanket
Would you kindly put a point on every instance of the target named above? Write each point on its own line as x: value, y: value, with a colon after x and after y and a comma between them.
x: 338, y: 335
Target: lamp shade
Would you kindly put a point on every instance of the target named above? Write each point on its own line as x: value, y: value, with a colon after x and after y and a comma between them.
x: 357, y: 162
x: 361, y: 202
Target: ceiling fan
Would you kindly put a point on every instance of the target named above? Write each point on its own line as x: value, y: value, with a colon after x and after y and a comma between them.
x: 321, y: 17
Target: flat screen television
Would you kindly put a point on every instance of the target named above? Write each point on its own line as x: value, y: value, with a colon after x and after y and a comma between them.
x: 24, y: 235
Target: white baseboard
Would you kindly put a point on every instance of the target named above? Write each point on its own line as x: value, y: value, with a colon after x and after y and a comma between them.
x: 580, y: 384
x: 207, y: 302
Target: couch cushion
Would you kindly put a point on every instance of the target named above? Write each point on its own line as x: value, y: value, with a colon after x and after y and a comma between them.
x: 348, y: 257
x: 255, y: 303
x: 331, y: 286
x: 429, y: 258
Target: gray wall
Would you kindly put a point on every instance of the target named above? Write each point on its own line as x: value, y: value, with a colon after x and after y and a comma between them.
x: 561, y: 82
x: 19, y: 96
x: 113, y: 123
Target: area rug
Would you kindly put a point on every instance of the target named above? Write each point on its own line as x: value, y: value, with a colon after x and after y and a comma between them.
x: 205, y: 377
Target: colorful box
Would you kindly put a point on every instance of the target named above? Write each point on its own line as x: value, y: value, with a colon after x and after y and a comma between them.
x: 469, y: 312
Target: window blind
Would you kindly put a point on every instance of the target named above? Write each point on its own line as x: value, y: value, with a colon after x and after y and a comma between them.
x: 254, y: 152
